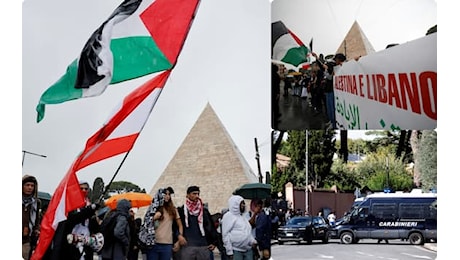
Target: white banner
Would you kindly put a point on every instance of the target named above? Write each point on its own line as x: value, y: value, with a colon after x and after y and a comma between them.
x: 391, y: 89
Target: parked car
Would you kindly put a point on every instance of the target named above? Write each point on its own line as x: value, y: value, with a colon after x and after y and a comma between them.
x: 304, y: 228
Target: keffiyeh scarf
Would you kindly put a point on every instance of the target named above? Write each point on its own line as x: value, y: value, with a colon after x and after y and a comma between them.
x: 195, y: 208
x: 27, y: 201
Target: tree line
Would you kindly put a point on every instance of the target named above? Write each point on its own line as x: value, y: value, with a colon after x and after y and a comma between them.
x: 396, y: 160
x: 102, y: 191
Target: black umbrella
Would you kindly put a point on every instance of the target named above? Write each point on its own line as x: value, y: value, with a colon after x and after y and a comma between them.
x: 254, y: 191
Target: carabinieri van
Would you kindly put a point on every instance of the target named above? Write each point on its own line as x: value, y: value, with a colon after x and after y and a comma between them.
x: 391, y: 216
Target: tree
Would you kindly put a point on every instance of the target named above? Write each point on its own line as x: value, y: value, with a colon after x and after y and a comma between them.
x: 358, y: 146
x: 343, y: 176
x: 123, y: 186
x: 278, y: 180
x: 382, y: 169
x: 321, y: 149
x: 277, y: 137
x: 404, y: 150
x: 415, y: 143
x: 427, y: 159
x: 344, y: 145
x: 295, y: 149
x: 320, y: 153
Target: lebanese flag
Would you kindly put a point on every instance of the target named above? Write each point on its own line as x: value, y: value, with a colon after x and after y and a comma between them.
x: 120, y: 132
x: 138, y: 38
x: 67, y: 197
x: 117, y: 136
x: 286, y: 46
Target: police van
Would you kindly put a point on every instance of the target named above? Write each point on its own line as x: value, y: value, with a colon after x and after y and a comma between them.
x: 390, y: 216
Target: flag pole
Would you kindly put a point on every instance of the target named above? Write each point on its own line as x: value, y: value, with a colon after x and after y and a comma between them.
x: 172, y: 67
x: 106, y: 188
x: 306, y: 174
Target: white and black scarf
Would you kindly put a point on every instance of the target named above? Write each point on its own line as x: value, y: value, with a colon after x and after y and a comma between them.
x: 32, y: 202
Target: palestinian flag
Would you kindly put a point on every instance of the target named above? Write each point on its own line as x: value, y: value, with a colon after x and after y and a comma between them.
x: 138, y: 38
x: 287, y: 47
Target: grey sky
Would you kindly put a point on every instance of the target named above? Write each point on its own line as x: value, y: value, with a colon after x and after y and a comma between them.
x: 382, y: 21
x: 228, y: 70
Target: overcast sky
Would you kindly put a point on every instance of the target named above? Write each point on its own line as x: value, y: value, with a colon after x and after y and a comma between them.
x: 382, y: 21
x: 225, y: 62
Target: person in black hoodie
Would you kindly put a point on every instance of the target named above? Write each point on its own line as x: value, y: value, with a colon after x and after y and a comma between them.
x: 116, y: 230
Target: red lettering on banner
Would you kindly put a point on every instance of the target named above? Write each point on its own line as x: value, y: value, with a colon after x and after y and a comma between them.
x: 360, y: 77
x: 369, y: 91
x: 393, y: 93
x: 381, y: 89
x: 429, y: 91
x: 409, y: 91
x: 353, y: 89
x: 337, y: 82
x: 346, y: 83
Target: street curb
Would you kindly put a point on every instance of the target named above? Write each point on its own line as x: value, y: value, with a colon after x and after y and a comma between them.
x: 431, y: 246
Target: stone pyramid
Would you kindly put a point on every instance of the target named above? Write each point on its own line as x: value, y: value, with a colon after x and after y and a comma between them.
x: 355, y: 43
x: 209, y: 159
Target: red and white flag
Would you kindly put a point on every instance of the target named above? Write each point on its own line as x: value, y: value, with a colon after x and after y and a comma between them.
x: 66, y: 197
x: 117, y: 136
x: 120, y: 132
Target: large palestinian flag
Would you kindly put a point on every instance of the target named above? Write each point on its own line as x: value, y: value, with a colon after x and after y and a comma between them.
x: 287, y: 47
x: 140, y: 37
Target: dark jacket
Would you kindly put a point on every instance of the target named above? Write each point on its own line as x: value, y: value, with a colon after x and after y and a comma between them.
x: 208, y: 225
x: 263, y: 230
x: 118, y: 249
x: 59, y: 247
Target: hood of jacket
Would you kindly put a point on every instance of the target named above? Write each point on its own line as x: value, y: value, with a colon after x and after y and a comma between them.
x: 30, y: 178
x: 234, y: 204
x: 123, y: 207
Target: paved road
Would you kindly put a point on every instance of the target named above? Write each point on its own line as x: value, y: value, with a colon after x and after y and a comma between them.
x: 298, y: 114
x: 364, y: 250
x: 430, y: 246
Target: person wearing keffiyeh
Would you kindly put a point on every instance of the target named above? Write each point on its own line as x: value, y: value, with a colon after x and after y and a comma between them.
x: 30, y: 216
x: 199, y: 229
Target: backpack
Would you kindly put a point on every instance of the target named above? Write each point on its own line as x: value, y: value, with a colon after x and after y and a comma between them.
x: 147, y: 230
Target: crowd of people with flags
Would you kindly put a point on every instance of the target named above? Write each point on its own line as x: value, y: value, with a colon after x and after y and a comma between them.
x: 148, y: 42
x: 314, y: 85
x: 167, y: 232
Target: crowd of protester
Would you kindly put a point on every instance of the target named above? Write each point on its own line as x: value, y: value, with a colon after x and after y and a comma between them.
x: 314, y: 84
x: 166, y: 231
